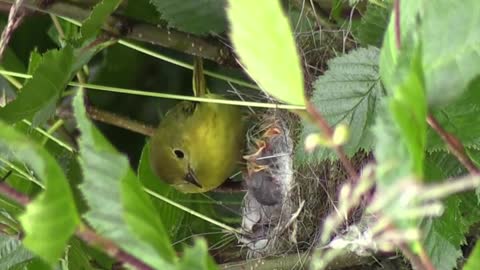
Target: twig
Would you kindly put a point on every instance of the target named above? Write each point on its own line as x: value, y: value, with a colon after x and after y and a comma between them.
x: 84, y: 233
x: 453, y: 144
x: 294, y: 261
x: 328, y: 131
x: 153, y: 34
x: 15, y: 17
x: 122, y: 122
x: 415, y: 260
x: 396, y: 10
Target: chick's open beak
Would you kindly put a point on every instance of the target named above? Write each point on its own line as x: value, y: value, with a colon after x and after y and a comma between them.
x: 192, y: 178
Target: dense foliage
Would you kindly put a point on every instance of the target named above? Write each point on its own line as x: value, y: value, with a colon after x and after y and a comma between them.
x: 402, y: 76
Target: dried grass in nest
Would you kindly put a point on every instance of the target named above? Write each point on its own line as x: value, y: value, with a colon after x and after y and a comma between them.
x: 304, y: 194
x: 286, y: 202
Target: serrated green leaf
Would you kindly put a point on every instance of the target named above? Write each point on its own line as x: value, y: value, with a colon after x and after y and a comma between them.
x: 46, y: 231
x: 373, y: 25
x: 171, y: 215
x: 263, y: 39
x: 12, y: 252
x: 119, y: 208
x: 194, y: 16
x: 77, y: 257
x: 473, y: 262
x: 349, y: 92
x: 444, y: 236
x: 459, y: 118
x: 197, y: 257
x: 51, y: 76
x: 451, y: 47
x: 93, y: 24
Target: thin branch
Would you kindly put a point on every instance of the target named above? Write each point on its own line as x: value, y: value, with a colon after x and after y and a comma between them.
x: 119, y: 121
x: 328, y: 131
x: 453, y: 144
x: 153, y: 34
x: 415, y: 260
x: 83, y: 232
x: 396, y: 11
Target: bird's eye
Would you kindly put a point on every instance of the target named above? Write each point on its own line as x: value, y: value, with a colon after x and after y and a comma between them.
x: 179, y: 153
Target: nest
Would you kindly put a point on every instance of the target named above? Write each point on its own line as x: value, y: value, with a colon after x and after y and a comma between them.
x: 286, y: 202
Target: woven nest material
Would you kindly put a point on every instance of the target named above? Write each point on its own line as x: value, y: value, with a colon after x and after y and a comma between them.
x: 286, y: 202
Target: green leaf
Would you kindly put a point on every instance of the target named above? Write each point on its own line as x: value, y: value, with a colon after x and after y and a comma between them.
x: 459, y: 118
x: 405, y: 127
x: 451, y: 47
x: 93, y: 24
x: 444, y: 236
x: 409, y: 108
x: 389, y: 54
x: 77, y: 256
x: 197, y: 257
x: 119, y: 208
x: 51, y: 76
x: 12, y: 252
x: 46, y: 231
x: 373, y: 25
x: 171, y: 215
x: 349, y: 92
x: 194, y: 16
x: 263, y: 39
x: 473, y: 262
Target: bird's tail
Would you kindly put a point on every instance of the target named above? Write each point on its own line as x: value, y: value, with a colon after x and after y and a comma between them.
x: 199, y: 86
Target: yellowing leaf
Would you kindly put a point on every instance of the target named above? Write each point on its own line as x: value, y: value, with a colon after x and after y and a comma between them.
x: 263, y: 40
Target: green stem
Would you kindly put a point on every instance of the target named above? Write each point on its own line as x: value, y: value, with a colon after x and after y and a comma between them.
x: 169, y: 96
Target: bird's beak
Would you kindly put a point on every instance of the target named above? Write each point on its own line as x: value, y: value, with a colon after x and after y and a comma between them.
x: 191, y: 177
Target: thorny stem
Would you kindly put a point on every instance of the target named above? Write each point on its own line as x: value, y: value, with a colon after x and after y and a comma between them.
x: 153, y: 34
x: 454, y: 145
x: 328, y: 131
x: 83, y: 232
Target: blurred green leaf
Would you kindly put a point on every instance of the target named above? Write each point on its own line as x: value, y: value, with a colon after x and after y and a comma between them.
x: 46, y: 231
x: 349, y: 92
x: 199, y: 17
x: 446, y: 234
x: 197, y: 257
x: 119, y: 208
x: 77, y: 257
x: 373, y: 24
x: 12, y: 252
x: 51, y: 76
x: 93, y: 24
x: 409, y: 108
x: 171, y: 215
x: 451, y: 47
x: 389, y: 54
x: 473, y: 262
x: 263, y: 40
x: 405, y: 126
x: 459, y: 118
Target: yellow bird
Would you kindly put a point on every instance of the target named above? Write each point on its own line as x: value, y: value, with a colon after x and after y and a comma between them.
x: 198, y: 145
